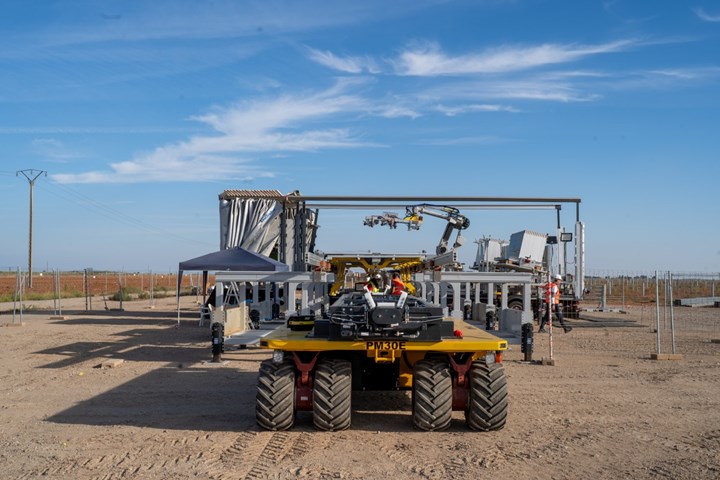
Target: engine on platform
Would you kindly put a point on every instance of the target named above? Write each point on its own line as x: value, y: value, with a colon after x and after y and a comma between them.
x: 358, y: 315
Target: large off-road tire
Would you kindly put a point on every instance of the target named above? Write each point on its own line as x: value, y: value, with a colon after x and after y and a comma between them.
x: 431, y: 395
x: 332, y: 394
x: 488, y: 402
x: 275, y: 398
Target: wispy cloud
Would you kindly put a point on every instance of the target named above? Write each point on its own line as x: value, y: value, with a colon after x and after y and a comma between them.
x: 702, y: 15
x: 681, y: 74
x: 659, y: 79
x: 464, y: 141
x: 535, y: 89
x: 452, y: 111
x: 166, y: 165
x: 429, y: 60
x: 347, y: 64
x: 243, y: 132
x: 575, y: 74
x: 397, y: 111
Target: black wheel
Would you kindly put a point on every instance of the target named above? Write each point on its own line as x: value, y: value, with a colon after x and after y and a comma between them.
x: 218, y: 340
x: 516, y: 304
x: 255, y: 318
x: 431, y: 395
x: 490, y: 321
x: 332, y: 393
x: 526, y: 341
x: 488, y: 404
x: 570, y: 310
x: 275, y: 398
x: 467, y: 312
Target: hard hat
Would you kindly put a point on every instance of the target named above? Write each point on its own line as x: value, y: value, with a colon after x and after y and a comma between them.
x: 558, y: 277
x: 377, y: 275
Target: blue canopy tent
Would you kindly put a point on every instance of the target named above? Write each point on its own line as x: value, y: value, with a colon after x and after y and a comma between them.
x: 235, y: 259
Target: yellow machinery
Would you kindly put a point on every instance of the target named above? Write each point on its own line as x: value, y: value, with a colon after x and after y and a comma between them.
x: 371, y: 341
x: 406, y: 265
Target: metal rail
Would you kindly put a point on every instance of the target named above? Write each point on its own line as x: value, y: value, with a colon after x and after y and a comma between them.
x: 348, y: 198
x: 376, y: 206
x: 450, y: 200
x: 447, y: 200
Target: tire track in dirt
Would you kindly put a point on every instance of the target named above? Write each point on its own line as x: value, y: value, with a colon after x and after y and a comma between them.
x: 451, y: 466
x: 695, y: 445
x: 150, y: 456
x: 463, y: 457
x: 236, y: 459
x: 253, y: 455
x: 274, y: 451
x: 303, y: 443
x: 692, y: 456
x: 402, y: 455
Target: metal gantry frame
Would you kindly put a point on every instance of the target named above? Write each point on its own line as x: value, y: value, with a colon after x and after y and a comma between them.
x: 433, y: 285
x: 305, y: 202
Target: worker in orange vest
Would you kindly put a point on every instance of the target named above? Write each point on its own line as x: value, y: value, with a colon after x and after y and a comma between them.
x: 397, y: 285
x: 552, y: 302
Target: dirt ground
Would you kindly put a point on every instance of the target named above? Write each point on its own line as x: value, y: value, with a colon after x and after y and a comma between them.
x: 604, y: 411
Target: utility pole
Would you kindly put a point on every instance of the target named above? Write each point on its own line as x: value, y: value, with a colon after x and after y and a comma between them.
x: 31, y: 175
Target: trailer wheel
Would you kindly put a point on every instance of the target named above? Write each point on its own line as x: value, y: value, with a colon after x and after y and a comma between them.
x: 275, y: 398
x: 431, y: 395
x: 332, y: 394
x: 488, y: 405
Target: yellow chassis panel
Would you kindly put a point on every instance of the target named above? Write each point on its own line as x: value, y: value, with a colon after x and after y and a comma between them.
x: 473, y: 340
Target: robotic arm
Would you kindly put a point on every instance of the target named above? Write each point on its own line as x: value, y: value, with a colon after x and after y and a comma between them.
x: 414, y: 218
x: 455, y: 221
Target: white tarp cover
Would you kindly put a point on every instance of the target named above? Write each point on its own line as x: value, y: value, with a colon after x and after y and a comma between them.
x: 254, y: 224
x: 250, y: 223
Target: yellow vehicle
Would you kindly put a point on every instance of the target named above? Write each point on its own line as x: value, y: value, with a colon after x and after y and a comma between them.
x: 367, y: 341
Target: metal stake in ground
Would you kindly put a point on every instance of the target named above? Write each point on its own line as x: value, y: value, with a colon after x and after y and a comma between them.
x: 657, y: 309
x: 672, y: 316
x: 19, y: 287
x: 548, y: 306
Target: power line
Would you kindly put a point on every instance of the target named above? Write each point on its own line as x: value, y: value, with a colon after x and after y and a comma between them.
x: 106, y: 211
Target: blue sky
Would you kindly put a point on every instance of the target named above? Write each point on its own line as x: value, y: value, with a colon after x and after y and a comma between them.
x: 143, y: 112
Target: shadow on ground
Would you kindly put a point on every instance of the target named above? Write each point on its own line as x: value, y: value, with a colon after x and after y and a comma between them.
x: 190, y: 398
